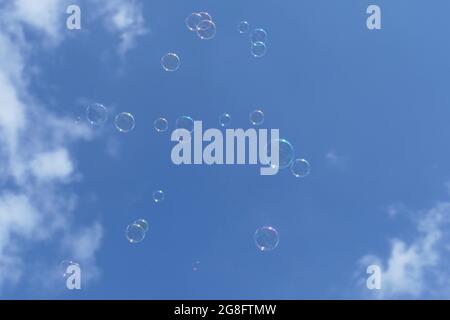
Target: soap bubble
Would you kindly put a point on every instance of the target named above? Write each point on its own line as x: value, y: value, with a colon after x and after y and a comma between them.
x: 185, y: 122
x: 193, y: 20
x: 243, y: 27
x: 124, y: 122
x: 258, y: 35
x: 300, y: 168
x: 258, y: 49
x: 225, y: 120
x: 170, y: 62
x: 257, y: 117
x: 206, y: 30
x: 135, y: 233
x: 96, y: 114
x: 266, y: 238
x: 158, y: 196
x: 161, y: 125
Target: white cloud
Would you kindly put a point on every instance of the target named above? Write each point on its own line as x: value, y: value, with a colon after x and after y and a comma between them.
x: 35, y: 157
x: 419, y: 266
x: 43, y: 15
x: 52, y: 165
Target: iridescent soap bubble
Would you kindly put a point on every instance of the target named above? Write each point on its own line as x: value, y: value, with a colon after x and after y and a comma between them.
x: 258, y: 49
x: 96, y: 114
x: 300, y: 168
x: 257, y: 117
x: 161, y: 124
x: 124, y: 122
x: 64, y: 266
x: 135, y: 233
x: 243, y: 27
x: 143, y: 224
x: 206, y: 30
x: 225, y: 120
x: 158, y: 196
x: 170, y: 62
x: 193, y: 20
x: 185, y: 122
x: 266, y: 238
x: 258, y: 35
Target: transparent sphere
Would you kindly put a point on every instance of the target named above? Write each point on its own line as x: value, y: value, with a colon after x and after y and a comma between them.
x: 258, y: 49
x: 243, y: 27
x: 185, y: 122
x: 225, y: 120
x: 193, y: 20
x: 124, y: 122
x: 170, y: 62
x: 206, y: 30
x: 96, y: 114
x: 161, y: 125
x: 258, y: 35
x: 158, y: 196
x: 300, y: 168
x: 266, y: 238
x: 135, y: 233
x: 143, y: 224
x: 257, y: 117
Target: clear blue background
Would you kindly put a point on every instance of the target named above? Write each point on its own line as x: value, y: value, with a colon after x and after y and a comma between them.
x: 379, y: 99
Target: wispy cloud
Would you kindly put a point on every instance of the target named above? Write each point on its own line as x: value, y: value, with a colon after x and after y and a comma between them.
x: 124, y: 18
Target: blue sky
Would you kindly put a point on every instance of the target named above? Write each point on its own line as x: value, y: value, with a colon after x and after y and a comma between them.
x: 368, y: 110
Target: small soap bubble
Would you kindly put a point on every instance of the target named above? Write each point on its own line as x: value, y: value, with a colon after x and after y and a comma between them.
x: 257, y: 117
x: 158, y: 196
x: 124, y: 122
x: 96, y: 114
x: 258, y: 49
x: 135, y: 233
x: 266, y: 239
x: 193, y: 20
x: 170, y: 62
x: 185, y: 122
x: 243, y: 27
x: 258, y: 35
x: 161, y: 125
x: 206, y: 30
x: 300, y: 168
x: 225, y: 120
